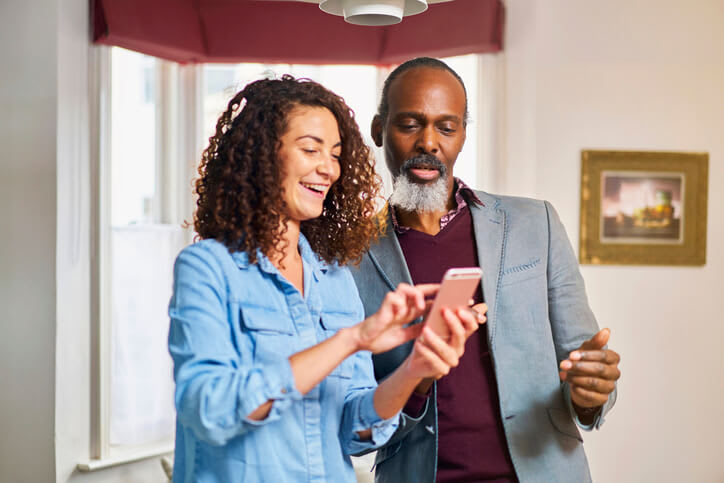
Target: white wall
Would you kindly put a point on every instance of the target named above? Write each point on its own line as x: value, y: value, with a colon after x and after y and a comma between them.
x: 45, y: 392
x: 648, y: 75
x: 28, y: 110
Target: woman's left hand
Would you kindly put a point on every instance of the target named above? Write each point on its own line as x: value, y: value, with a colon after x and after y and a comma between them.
x: 384, y: 330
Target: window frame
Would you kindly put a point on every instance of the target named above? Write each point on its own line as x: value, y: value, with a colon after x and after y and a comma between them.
x: 177, y: 129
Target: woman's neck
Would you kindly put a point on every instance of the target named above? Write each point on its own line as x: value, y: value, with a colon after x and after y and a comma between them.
x: 288, y: 260
x: 288, y: 248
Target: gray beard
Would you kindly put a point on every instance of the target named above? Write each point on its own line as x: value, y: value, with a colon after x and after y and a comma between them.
x: 410, y: 196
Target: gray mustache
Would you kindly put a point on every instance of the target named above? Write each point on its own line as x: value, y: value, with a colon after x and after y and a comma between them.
x: 424, y: 161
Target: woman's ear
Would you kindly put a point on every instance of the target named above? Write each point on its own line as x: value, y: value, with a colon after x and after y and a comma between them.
x: 376, y: 130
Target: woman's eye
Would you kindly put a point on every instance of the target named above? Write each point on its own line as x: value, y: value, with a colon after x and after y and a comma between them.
x: 310, y: 151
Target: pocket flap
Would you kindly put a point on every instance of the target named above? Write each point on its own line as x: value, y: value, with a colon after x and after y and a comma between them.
x: 266, y: 319
x: 337, y: 320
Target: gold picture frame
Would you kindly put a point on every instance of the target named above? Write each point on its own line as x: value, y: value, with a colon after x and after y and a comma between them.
x: 643, y: 207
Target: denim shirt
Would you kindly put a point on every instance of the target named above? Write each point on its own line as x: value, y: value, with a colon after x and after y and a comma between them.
x: 233, y: 327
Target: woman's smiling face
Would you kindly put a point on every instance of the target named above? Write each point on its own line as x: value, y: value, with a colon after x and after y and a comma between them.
x: 309, y: 152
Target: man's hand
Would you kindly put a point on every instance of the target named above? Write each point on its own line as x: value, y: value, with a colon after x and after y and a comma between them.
x: 592, y: 373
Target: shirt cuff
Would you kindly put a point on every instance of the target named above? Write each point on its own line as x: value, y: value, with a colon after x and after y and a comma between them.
x: 597, y: 418
x: 382, y: 429
x: 276, y: 383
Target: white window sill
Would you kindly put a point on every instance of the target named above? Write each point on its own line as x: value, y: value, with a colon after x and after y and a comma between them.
x: 128, y: 456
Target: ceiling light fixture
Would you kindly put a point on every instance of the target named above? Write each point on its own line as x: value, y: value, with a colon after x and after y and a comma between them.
x: 375, y: 12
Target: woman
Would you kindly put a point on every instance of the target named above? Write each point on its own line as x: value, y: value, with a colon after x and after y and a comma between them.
x: 272, y: 366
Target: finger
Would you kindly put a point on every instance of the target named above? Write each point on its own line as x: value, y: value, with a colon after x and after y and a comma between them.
x: 479, y: 312
x: 481, y: 308
x: 594, y: 369
x: 471, y: 324
x: 401, y: 335
x: 428, y: 289
x: 458, y: 333
x: 607, y: 356
x: 393, y: 304
x: 597, y: 341
x: 415, y: 296
x: 593, y: 384
x: 585, y: 398
x: 436, y: 366
x: 443, y: 350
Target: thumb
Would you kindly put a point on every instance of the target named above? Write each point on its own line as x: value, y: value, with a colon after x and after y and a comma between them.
x: 597, y: 341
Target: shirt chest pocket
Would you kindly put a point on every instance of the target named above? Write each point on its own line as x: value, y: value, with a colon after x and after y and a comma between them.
x: 270, y: 333
x: 331, y: 323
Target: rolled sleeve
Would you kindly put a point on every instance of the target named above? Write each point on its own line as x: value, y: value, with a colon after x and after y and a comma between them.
x: 277, y: 386
x: 365, y: 417
x: 359, y: 412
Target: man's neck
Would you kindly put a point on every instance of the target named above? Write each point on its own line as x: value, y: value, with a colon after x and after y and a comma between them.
x: 425, y: 221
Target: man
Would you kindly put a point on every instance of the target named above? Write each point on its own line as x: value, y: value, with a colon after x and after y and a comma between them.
x: 539, y: 367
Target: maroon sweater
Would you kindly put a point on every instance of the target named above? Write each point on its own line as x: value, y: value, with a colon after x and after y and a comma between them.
x: 471, y: 442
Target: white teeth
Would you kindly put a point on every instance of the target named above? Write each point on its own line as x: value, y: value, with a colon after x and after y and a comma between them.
x: 315, y: 187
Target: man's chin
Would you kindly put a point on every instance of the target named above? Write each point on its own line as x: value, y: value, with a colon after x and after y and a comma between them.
x: 410, y: 195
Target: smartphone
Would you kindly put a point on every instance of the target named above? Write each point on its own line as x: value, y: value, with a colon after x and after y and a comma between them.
x: 457, y: 288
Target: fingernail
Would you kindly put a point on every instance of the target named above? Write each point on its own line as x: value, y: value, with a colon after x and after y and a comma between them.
x: 576, y: 356
x: 565, y: 365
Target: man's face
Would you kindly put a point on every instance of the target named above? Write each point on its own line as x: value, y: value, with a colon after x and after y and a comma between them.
x: 425, y: 121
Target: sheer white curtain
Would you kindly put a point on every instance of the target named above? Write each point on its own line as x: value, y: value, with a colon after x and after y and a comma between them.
x: 142, y: 406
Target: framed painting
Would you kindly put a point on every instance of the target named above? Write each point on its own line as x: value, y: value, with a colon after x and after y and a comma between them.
x: 643, y: 207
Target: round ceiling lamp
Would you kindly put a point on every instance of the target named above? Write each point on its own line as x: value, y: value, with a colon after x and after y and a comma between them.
x: 375, y: 12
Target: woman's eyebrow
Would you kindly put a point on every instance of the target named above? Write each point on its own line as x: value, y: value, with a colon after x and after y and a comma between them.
x: 317, y: 139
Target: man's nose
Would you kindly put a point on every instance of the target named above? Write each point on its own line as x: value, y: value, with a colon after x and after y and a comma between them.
x: 427, y: 141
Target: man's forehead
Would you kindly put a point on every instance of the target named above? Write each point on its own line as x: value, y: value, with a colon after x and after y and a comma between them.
x: 427, y: 90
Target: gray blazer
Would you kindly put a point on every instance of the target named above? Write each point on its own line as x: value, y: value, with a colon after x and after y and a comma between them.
x: 537, y: 313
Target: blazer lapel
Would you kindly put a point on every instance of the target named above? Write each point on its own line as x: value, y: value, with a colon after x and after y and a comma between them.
x: 387, y: 256
x: 489, y: 227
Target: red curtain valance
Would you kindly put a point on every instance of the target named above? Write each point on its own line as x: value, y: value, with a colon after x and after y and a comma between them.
x: 291, y: 32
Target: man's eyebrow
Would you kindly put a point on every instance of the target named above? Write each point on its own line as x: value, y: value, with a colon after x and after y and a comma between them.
x: 316, y: 139
x: 419, y: 115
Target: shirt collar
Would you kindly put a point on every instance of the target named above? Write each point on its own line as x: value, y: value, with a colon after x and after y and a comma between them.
x: 318, y: 266
x: 464, y: 195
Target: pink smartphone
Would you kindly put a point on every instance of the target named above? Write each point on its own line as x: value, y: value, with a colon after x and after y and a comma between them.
x: 457, y: 288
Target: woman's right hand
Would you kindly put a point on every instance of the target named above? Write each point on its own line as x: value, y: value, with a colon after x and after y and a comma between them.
x: 384, y: 330
x: 432, y: 357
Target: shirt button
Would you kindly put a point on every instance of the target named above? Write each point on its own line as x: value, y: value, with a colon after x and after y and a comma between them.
x: 284, y: 390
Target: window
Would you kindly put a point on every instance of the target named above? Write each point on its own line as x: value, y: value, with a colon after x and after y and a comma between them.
x: 139, y: 241
x: 158, y: 119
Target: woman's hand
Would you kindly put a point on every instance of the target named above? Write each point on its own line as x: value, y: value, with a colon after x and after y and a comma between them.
x: 432, y: 357
x: 384, y: 330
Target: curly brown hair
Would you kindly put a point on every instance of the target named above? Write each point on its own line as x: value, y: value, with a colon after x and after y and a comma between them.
x: 240, y: 191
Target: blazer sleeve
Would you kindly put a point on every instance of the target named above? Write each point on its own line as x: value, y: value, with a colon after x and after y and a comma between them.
x: 571, y: 318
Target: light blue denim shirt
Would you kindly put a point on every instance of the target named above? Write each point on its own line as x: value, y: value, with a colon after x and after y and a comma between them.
x: 233, y: 327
